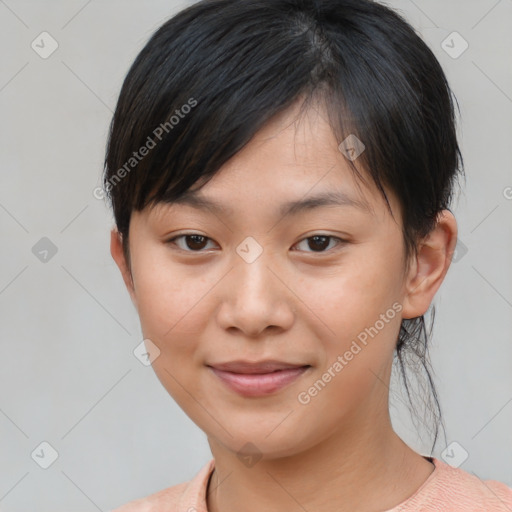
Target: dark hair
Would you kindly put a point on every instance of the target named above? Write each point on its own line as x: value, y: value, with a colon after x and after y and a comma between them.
x: 217, y: 71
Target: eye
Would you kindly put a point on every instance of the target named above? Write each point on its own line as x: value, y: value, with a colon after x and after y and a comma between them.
x: 193, y: 242
x: 319, y: 243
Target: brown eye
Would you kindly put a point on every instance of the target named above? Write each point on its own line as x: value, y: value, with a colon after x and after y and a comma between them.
x: 195, y: 242
x: 319, y: 243
x: 192, y: 242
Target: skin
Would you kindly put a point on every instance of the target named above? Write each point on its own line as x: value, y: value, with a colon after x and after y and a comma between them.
x: 339, y: 451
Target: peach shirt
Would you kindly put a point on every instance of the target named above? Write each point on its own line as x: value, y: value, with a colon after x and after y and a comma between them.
x: 446, y: 489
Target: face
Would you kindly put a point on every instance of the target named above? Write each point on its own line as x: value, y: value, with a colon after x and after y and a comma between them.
x: 248, y: 281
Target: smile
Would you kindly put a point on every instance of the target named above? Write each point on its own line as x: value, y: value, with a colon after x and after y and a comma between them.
x: 259, y: 384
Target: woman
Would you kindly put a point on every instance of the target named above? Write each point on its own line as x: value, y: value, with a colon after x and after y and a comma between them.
x: 280, y: 173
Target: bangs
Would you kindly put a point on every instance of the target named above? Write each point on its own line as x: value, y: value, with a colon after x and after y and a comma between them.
x: 214, y: 74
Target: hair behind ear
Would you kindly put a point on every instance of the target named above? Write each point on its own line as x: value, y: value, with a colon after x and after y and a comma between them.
x: 412, y: 351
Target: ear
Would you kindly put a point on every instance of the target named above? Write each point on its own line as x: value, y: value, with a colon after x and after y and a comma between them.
x: 430, y: 265
x: 116, y: 250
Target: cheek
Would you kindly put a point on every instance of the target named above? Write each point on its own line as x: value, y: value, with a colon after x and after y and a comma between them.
x: 354, y: 294
x: 171, y: 300
x: 359, y: 302
x: 173, y: 311
x: 360, y: 308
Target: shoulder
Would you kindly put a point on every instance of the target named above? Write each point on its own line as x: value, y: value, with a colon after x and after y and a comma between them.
x: 455, y: 489
x: 186, y: 496
x: 166, y: 500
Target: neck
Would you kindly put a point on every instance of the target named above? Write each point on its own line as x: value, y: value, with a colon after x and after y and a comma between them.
x: 353, y: 469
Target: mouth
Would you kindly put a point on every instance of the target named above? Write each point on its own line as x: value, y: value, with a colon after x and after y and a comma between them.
x: 252, y: 379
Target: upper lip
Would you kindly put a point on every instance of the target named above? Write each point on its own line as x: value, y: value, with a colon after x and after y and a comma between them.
x: 266, y: 366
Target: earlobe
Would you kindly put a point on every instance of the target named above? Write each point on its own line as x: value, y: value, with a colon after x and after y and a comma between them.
x: 431, y: 264
x: 116, y: 250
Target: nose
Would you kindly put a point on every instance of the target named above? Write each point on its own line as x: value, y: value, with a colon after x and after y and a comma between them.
x: 255, y: 298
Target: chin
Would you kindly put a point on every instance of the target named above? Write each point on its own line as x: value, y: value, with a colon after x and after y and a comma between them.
x: 260, y: 441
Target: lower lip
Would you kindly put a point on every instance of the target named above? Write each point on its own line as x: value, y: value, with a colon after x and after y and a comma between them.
x: 259, y: 384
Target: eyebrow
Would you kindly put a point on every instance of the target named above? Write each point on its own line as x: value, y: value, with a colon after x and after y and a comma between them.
x: 328, y: 198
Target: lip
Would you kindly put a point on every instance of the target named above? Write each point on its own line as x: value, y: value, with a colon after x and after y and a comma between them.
x: 262, y: 378
x: 252, y: 367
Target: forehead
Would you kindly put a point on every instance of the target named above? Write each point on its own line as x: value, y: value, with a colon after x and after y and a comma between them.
x: 291, y: 165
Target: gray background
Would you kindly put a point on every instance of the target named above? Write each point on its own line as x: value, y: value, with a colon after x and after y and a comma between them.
x: 68, y: 375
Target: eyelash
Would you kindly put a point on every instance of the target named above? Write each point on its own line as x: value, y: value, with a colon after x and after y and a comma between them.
x: 340, y: 242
